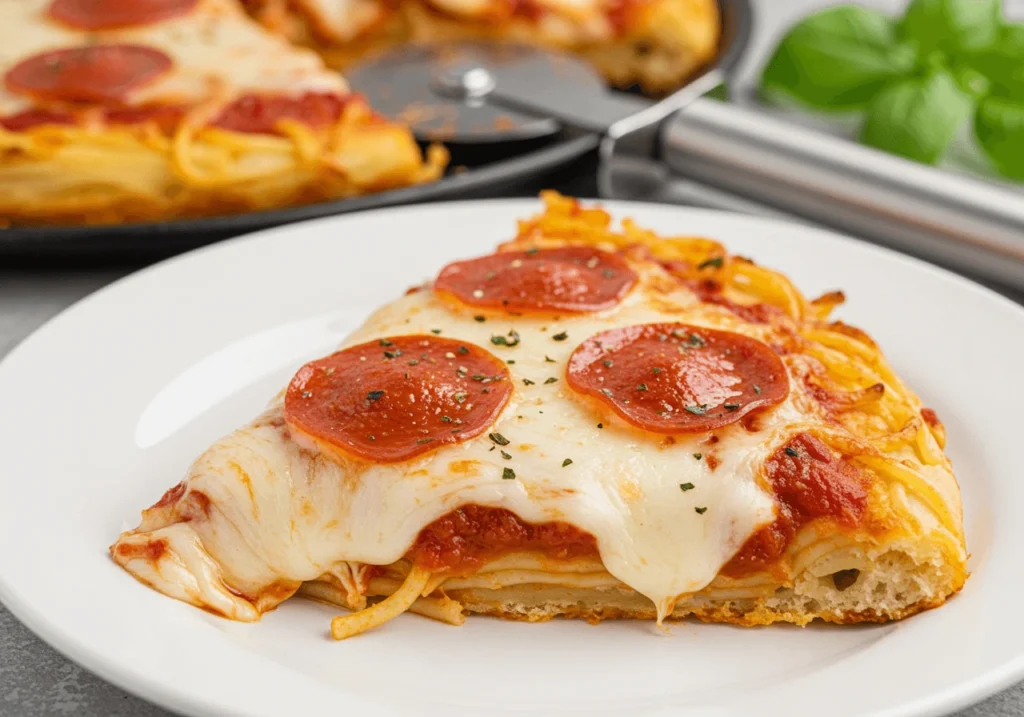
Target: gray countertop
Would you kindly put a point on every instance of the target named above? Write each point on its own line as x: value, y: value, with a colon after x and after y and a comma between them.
x: 36, y: 680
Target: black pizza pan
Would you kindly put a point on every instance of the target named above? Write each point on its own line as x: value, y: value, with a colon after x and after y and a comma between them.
x: 485, y: 170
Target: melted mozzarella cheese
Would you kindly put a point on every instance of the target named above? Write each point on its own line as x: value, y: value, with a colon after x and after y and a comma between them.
x: 342, y: 20
x: 285, y: 510
x: 217, y: 51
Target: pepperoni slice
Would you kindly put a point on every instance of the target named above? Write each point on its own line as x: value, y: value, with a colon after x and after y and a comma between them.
x: 113, y: 14
x: 573, y: 279
x: 393, y: 399
x: 34, y: 118
x: 259, y: 114
x: 96, y: 73
x: 166, y: 117
x: 675, y: 378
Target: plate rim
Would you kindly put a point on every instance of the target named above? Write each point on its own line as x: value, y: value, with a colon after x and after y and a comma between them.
x: 940, y: 703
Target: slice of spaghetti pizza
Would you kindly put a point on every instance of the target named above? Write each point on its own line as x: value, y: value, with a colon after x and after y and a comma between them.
x: 130, y: 110
x: 656, y: 44
x: 591, y: 423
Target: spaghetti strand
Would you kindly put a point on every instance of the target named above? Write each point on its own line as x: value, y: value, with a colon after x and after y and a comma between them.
x: 345, y: 626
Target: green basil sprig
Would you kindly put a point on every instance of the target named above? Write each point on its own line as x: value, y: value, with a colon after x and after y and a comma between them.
x: 917, y: 80
x: 917, y: 117
x: 952, y: 26
x: 838, y: 58
x: 999, y: 127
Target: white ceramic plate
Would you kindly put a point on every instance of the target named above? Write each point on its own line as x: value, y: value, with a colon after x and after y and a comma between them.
x: 104, y: 408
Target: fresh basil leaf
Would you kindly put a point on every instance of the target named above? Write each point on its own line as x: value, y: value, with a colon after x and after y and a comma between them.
x: 1003, y: 62
x: 999, y: 128
x: 952, y: 26
x: 838, y: 58
x: 972, y: 82
x: 918, y: 117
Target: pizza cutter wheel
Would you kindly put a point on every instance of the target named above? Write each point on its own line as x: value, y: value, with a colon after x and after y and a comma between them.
x: 484, y: 93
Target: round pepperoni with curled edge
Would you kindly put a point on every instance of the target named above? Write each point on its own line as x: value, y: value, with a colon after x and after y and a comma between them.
x: 112, y: 14
x: 571, y: 279
x: 676, y: 378
x: 94, y: 73
x: 392, y: 399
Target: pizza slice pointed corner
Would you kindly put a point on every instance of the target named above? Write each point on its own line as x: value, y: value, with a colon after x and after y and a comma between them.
x: 118, y: 111
x: 591, y: 422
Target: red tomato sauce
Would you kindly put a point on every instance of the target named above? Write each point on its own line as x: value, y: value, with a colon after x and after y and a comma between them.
x: 463, y: 540
x: 809, y: 483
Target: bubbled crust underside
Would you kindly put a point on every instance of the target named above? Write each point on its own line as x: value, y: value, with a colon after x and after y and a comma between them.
x: 896, y: 589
